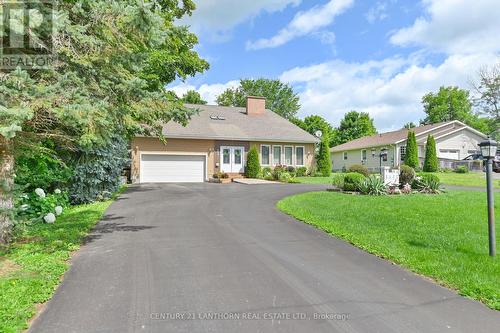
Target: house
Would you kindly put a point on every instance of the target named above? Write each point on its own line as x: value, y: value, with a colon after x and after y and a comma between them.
x: 454, y: 141
x: 218, y: 139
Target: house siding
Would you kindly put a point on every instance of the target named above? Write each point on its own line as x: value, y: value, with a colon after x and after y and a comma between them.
x: 463, y: 141
x: 210, y: 148
x: 372, y: 162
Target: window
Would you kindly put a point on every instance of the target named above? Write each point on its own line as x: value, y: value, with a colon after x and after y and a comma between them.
x: 299, y: 155
x: 402, y: 152
x: 363, y: 155
x: 288, y: 155
x: 345, y: 156
x: 237, y: 156
x: 264, y: 155
x: 373, y: 152
x: 225, y: 156
x: 276, y: 155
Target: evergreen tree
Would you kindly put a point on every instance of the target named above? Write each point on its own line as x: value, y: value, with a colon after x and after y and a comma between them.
x: 411, y: 157
x: 253, y: 165
x: 431, y: 161
x: 323, y: 161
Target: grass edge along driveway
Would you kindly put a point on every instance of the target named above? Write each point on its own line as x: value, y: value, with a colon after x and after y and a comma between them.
x: 440, y: 236
x: 31, y: 268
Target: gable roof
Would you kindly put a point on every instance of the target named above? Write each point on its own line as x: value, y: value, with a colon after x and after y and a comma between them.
x: 394, y: 137
x: 232, y: 123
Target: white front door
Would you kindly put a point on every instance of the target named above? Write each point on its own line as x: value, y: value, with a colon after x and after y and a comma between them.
x: 231, y: 159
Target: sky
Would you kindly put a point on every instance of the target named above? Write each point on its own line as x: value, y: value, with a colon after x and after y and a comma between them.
x: 372, y: 56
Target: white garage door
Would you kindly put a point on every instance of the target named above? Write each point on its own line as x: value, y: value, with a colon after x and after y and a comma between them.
x: 172, y: 168
x: 451, y: 154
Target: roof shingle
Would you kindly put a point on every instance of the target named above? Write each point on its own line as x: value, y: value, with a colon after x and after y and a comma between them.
x: 237, y: 125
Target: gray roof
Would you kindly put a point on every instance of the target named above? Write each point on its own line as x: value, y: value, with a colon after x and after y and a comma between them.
x: 389, y: 138
x: 234, y: 124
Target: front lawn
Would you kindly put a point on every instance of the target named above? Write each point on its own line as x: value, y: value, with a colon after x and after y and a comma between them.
x: 440, y: 236
x: 466, y: 179
x: 31, y: 268
x: 476, y: 179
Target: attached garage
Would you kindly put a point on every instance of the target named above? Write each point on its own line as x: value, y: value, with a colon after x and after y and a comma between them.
x: 163, y: 168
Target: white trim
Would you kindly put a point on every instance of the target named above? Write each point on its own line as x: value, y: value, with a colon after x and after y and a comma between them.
x: 281, y: 153
x: 303, y: 156
x: 458, y: 130
x: 292, y: 163
x: 181, y: 153
x: 268, y: 156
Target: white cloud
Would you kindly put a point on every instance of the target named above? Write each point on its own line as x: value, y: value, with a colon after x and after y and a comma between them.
x: 454, y: 26
x: 390, y: 90
x: 377, y: 12
x: 304, y: 23
x: 208, y: 92
x: 216, y: 18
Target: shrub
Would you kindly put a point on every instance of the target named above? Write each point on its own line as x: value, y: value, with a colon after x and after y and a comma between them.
x: 97, y: 171
x: 372, y: 185
x: 431, y: 161
x: 427, y: 183
x: 267, y: 173
x: 338, y: 180
x: 358, y: 168
x: 42, y: 169
x: 221, y: 175
x: 301, y: 171
x: 323, y: 161
x: 278, y: 170
x: 462, y: 169
x: 36, y: 205
x: 411, y: 157
x: 352, y: 180
x: 252, y: 169
x: 406, y: 175
x: 284, y: 177
x: 291, y: 170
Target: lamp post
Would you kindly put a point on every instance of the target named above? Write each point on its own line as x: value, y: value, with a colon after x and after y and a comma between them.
x: 383, y: 154
x: 489, y: 151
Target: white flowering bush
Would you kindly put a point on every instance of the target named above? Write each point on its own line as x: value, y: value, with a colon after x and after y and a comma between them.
x: 39, y: 206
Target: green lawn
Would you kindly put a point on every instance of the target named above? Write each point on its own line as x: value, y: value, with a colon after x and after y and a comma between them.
x: 440, y: 236
x: 452, y: 178
x: 31, y: 268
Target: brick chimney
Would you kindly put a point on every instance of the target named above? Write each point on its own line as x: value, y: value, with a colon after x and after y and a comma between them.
x: 255, y: 105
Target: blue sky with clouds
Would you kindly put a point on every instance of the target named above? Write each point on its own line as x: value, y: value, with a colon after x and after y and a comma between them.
x: 378, y: 57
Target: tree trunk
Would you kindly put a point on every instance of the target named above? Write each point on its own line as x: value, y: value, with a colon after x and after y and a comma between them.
x: 6, y: 185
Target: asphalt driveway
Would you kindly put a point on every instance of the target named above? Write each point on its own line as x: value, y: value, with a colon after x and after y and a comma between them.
x: 222, y: 258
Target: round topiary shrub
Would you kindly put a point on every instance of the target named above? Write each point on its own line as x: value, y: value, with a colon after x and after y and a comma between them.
x: 253, y: 164
x: 358, y: 168
x: 406, y: 175
x: 352, y: 181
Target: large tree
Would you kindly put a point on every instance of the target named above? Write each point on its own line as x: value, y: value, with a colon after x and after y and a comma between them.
x: 487, y: 100
x: 354, y: 125
x: 451, y: 103
x: 193, y: 97
x: 280, y: 96
x: 315, y: 123
x: 113, y: 59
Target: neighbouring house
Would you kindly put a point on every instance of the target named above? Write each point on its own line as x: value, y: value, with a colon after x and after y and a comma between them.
x: 218, y: 139
x: 454, y: 141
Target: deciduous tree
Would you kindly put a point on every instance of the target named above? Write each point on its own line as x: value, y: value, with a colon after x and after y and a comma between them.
x: 355, y: 125
x: 280, y: 96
